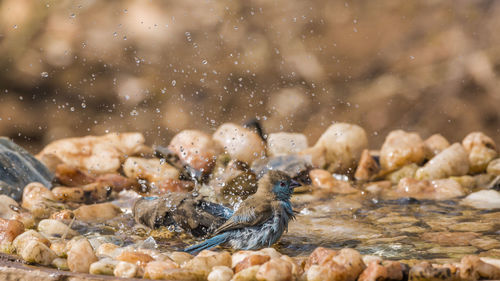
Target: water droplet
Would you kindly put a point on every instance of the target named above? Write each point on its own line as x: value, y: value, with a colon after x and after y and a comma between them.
x: 164, y: 90
x: 134, y: 113
x: 115, y: 34
x: 84, y: 105
x: 72, y: 16
x: 173, y: 83
x: 204, y: 61
x: 72, y: 108
x: 15, y: 26
x: 44, y: 74
x: 124, y: 37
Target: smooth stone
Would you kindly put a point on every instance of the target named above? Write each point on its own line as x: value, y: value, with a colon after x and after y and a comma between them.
x: 80, y: 255
x: 483, y: 199
x: 37, y: 252
x: 240, y: 143
x: 55, y: 228
x: 285, y: 143
x: 453, y: 161
x: 153, y: 170
x: 401, y: 148
x: 104, y: 266
x: 60, y: 263
x: 494, y: 167
x: 220, y: 273
x: 97, y: 212
x: 125, y: 270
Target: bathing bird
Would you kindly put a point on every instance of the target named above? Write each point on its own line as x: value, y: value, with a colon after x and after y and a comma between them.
x: 260, y: 220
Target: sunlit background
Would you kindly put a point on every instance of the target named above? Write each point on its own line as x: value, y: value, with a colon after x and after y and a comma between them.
x: 73, y: 68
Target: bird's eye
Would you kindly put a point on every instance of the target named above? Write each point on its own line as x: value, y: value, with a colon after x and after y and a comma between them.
x: 282, y: 184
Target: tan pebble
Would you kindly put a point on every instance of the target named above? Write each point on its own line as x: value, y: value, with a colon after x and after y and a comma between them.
x: 326, y: 181
x: 319, y: 256
x: 434, y: 145
x: 473, y: 268
x: 204, y: 264
x: 55, y: 228
x: 285, y: 143
x: 240, y: 256
x: 126, y: 270
x: 251, y: 261
x: 481, y: 149
x: 40, y: 201
x: 152, y: 170
x: 103, y: 267
x: 180, y: 257
x: 63, y: 215
x: 494, y: 167
x: 424, y: 271
x: 71, y: 176
x: 401, y: 148
x: 59, y: 247
x: 10, y: 229
x: 275, y: 270
x: 407, y: 171
x: 378, y: 187
x: 452, y: 161
x: 137, y: 258
x: 107, y: 250
x: 20, y: 241
x: 69, y: 194
x: 80, y: 255
x: 97, y: 212
x: 35, y: 251
x: 156, y: 269
x: 352, y: 261
x: 240, y: 143
x: 247, y: 274
x: 60, y: 263
x: 195, y: 148
x: 271, y: 252
x: 297, y: 268
x: 220, y: 273
x: 367, y: 168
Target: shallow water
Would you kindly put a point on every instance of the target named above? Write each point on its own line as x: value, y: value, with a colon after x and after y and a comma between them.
x: 398, y: 229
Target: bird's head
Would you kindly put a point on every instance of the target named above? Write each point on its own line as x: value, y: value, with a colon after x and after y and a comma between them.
x: 278, y: 183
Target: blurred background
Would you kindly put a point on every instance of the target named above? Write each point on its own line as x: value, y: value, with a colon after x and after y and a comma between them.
x: 74, y: 68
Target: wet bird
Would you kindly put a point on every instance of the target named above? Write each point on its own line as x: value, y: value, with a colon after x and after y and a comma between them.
x: 260, y: 220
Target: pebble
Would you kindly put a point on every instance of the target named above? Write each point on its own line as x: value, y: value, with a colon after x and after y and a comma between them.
x: 275, y: 270
x: 387, y: 270
x: 407, y: 171
x: 401, y: 148
x: 40, y: 201
x: 435, y: 190
x: 60, y: 263
x: 251, y: 260
x: 71, y: 176
x: 473, y: 268
x: 339, y: 148
x: 59, y: 247
x: 80, y: 255
x: 424, y: 271
x: 452, y: 161
x: 434, y: 145
x: 483, y: 199
x: 450, y: 238
x: 10, y: 229
x: 206, y: 260
x: 285, y: 143
x: 494, y: 167
x: 107, y: 250
x: 472, y: 226
x: 247, y: 274
x: 97, y: 212
x: 104, y: 266
x: 220, y: 273
x: 69, y: 194
x: 156, y: 269
x: 324, y: 180
x: 63, y: 215
x: 180, y: 257
x: 196, y: 149
x: 22, y: 239
x: 137, y: 258
x: 481, y: 150
x: 55, y: 228
x: 126, y: 270
x: 153, y: 170
x: 240, y: 143
x: 95, y: 154
x: 367, y: 168
x: 34, y: 251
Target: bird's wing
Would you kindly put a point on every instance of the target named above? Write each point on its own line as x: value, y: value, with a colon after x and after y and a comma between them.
x: 251, y: 212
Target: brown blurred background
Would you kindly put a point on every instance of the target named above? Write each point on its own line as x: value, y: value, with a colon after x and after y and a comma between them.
x: 73, y: 68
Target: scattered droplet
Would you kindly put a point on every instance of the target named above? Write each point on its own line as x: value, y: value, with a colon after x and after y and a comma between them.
x: 173, y: 83
x: 44, y: 74
x: 84, y: 105
x: 72, y: 16
x: 15, y: 26
x: 204, y: 61
x: 72, y: 108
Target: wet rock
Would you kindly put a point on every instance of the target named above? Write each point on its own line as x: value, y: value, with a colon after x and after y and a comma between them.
x: 126, y: 270
x: 60, y: 263
x: 401, y: 148
x: 483, y: 199
x: 297, y: 265
x: 275, y: 270
x: 97, y: 192
x: 206, y: 260
x: 152, y: 170
x: 473, y: 268
x: 378, y: 187
x: 95, y: 154
x: 240, y: 143
x: 407, y: 171
x: 452, y: 161
x: 104, y: 266
x: 251, y: 260
x: 71, y: 176
x: 494, y: 167
x: 434, y: 145
x: 326, y: 181
x: 339, y: 148
x: 69, y: 194
x: 59, y: 247
x: 481, y: 150
x: 424, y: 189
x: 55, y: 228
x: 108, y: 250
x: 193, y: 214
x: 80, y: 255
x: 367, y: 168
x: 40, y: 201
x: 22, y: 240
x: 10, y: 229
x: 247, y: 274
x: 285, y: 143
x: 19, y: 168
x: 9, y: 208
x: 137, y: 258
x: 34, y: 251
x: 63, y: 215
x: 97, y: 212
x: 450, y: 238
x: 220, y: 273
x: 180, y: 257
x: 195, y: 149
x: 156, y: 269
x: 426, y: 272
x: 294, y: 165
x: 326, y: 264
x: 387, y: 270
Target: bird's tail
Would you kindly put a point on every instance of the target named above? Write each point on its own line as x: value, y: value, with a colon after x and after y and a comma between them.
x: 207, y: 244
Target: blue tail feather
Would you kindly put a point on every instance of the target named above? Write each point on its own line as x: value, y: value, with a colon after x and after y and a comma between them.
x: 208, y: 244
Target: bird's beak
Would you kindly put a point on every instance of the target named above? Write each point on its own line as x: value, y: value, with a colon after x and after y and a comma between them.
x: 294, y: 184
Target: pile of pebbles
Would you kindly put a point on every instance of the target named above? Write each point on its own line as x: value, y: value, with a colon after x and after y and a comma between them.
x: 97, y: 179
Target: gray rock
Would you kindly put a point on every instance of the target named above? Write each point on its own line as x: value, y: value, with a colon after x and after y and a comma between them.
x: 18, y: 168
